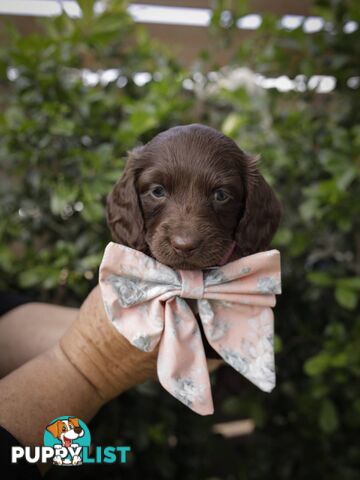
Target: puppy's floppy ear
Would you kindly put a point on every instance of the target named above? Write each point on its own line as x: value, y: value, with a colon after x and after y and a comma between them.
x: 53, y: 428
x: 74, y: 421
x: 262, y: 213
x: 123, y: 212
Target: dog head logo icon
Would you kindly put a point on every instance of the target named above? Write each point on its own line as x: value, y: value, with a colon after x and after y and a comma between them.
x: 66, y: 430
x: 68, y: 436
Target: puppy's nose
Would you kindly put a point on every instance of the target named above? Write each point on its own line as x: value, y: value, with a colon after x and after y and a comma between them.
x: 77, y: 429
x: 185, y: 243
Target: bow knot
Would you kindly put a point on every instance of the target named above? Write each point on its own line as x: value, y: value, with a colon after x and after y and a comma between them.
x: 147, y: 302
x: 192, y: 285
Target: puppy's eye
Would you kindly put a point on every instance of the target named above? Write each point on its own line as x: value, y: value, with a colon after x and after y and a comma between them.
x: 64, y: 428
x: 220, y: 196
x: 158, y: 191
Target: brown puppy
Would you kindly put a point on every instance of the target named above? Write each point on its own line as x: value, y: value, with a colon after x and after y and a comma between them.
x: 188, y: 196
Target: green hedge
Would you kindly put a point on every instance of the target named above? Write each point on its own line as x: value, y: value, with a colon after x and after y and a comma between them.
x: 62, y: 145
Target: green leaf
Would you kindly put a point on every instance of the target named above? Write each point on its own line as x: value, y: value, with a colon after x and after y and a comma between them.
x: 309, y: 209
x: 320, y: 279
x: 90, y: 262
x: 318, y: 364
x: 93, y: 212
x: 350, y: 283
x: 277, y: 344
x: 346, y: 298
x: 328, y: 418
x: 109, y: 23
x: 87, y: 8
x: 61, y: 197
x: 339, y: 360
x: 63, y: 126
x: 283, y: 237
x: 231, y: 124
x: 346, y: 178
x: 29, y: 278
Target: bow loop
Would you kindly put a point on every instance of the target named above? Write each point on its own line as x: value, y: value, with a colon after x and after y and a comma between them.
x: 146, y: 301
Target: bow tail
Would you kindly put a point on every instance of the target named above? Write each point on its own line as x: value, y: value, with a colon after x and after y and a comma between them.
x: 243, y: 336
x: 182, y: 366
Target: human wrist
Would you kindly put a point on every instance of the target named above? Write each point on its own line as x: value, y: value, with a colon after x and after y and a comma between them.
x: 101, y: 354
x: 85, y: 397
x: 42, y: 389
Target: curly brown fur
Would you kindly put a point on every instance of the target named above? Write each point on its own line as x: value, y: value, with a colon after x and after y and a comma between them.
x: 167, y: 203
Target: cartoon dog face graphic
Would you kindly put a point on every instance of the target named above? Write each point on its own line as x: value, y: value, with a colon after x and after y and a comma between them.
x: 66, y: 431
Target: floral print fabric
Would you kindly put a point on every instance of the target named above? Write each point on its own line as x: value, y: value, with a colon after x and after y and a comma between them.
x: 146, y: 301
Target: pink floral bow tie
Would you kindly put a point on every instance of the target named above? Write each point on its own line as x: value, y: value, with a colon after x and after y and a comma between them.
x: 146, y: 301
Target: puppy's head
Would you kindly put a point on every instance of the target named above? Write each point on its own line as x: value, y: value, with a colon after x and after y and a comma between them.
x: 66, y: 430
x: 189, y: 193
